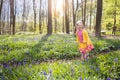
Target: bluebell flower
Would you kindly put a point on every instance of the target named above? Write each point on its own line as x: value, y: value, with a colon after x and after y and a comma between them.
x: 108, y: 79
x: 5, y: 65
x: 21, y: 63
x: 80, y: 78
x: 44, y: 73
x: 91, y: 66
x: 97, y: 69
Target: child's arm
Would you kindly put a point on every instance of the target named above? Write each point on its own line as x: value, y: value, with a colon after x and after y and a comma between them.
x: 85, y: 36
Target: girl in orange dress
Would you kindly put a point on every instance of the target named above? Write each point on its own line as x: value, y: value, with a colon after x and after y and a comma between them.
x: 85, y: 44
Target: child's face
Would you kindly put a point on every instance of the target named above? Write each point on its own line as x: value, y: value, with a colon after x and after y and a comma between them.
x: 79, y: 27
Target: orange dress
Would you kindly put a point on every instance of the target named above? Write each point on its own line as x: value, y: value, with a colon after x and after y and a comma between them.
x: 86, y: 45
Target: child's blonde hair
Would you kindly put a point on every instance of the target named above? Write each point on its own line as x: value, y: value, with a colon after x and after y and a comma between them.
x: 79, y: 24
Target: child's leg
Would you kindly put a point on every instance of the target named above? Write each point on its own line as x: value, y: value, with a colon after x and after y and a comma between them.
x: 82, y: 56
x: 86, y: 56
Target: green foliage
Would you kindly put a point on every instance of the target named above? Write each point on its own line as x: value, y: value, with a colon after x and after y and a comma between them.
x: 44, y: 48
x: 109, y: 9
x: 109, y: 26
x: 23, y: 57
x: 99, y: 68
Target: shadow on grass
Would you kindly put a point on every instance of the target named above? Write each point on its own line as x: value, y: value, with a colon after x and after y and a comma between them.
x: 35, y: 55
x: 29, y: 56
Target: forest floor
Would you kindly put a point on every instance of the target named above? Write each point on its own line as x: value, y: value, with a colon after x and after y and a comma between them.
x: 39, y: 57
x: 110, y: 36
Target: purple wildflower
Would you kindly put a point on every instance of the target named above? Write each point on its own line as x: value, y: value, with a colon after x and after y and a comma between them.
x: 108, y: 79
x: 44, y: 73
x: 97, y: 69
x: 80, y: 78
x: 5, y: 65
x: 91, y: 66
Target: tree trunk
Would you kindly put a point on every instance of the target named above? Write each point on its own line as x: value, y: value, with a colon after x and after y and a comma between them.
x: 49, y: 27
x: 23, y: 25
x: 8, y: 18
x: 114, y: 28
x: 66, y: 17
x: 12, y: 12
x: 98, y: 19
x: 34, y: 9
x: 76, y: 16
x: 3, y: 21
x: 84, y: 13
x: 63, y: 27
x: 91, y: 15
x: 82, y: 8
x: 1, y: 5
x: 40, y: 20
x: 73, y: 7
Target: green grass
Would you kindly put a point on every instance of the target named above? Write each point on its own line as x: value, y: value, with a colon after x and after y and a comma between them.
x: 29, y: 57
x: 97, y: 68
x: 30, y: 48
x: 110, y: 32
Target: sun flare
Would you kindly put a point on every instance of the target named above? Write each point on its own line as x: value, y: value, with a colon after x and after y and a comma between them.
x: 58, y: 6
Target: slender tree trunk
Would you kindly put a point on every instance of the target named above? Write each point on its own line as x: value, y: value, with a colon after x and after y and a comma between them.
x: 84, y: 13
x: 40, y: 20
x: 12, y: 12
x: 23, y: 25
x: 82, y: 8
x: 95, y: 11
x: 46, y: 17
x: 1, y: 5
x: 8, y: 18
x: 98, y: 19
x: 114, y: 28
x: 63, y: 27
x: 66, y: 17
x: 76, y: 15
x: 91, y: 15
x: 34, y: 8
x: 73, y: 7
x: 10, y: 21
x: 3, y: 23
x: 49, y: 27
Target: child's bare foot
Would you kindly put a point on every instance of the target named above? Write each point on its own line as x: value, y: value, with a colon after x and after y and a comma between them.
x: 82, y: 58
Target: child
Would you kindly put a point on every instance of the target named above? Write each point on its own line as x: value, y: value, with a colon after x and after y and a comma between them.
x: 85, y: 44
